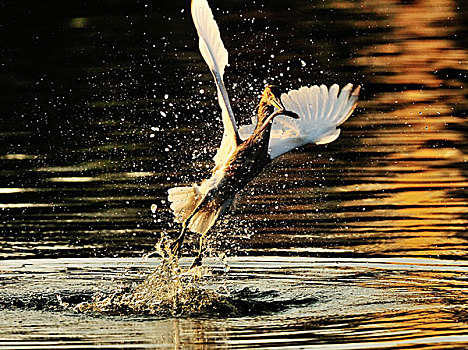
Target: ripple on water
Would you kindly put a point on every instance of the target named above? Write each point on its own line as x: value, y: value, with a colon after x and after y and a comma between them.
x: 262, y: 301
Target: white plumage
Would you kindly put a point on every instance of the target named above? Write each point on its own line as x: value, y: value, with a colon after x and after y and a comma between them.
x: 185, y: 199
x: 216, y: 56
x: 321, y: 111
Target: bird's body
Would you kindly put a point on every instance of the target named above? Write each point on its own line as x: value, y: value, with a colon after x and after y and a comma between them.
x: 245, y: 163
x: 306, y: 115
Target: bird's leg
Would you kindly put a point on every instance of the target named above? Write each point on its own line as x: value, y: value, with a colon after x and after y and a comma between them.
x: 177, y: 244
x: 198, y: 260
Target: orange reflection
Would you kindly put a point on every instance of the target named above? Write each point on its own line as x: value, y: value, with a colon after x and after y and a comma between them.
x: 417, y: 211
x: 406, y: 197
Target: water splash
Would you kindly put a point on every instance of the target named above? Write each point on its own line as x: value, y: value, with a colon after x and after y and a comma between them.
x: 167, y: 291
x: 171, y: 291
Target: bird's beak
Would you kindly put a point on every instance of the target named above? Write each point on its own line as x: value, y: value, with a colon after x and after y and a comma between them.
x: 277, y: 103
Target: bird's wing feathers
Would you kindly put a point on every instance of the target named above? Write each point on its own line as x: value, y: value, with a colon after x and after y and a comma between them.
x: 216, y: 56
x: 321, y: 111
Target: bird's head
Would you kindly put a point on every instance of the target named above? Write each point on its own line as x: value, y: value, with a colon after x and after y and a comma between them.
x: 270, y: 105
x: 270, y: 97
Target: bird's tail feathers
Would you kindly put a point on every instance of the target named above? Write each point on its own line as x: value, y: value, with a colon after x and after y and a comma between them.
x: 187, y: 200
x: 184, y: 201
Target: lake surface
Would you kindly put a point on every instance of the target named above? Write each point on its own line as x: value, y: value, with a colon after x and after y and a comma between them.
x: 358, y: 244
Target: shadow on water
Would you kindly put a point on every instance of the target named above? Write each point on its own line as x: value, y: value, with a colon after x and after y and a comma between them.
x: 106, y: 107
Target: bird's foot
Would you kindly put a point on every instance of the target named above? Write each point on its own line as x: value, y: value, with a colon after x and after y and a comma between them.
x: 175, y: 248
x: 196, y: 263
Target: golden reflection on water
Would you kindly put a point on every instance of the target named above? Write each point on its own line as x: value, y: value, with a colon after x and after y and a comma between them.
x: 420, y: 46
x: 406, y: 197
x: 420, y: 43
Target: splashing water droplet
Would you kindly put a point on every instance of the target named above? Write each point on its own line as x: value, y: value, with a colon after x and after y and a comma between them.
x: 167, y: 291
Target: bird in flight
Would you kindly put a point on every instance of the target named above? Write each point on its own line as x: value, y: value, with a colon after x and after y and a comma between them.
x: 299, y: 117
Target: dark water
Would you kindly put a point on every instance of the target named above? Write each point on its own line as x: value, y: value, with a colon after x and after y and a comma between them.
x: 105, y: 106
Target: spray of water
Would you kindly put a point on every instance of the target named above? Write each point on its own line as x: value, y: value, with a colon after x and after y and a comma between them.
x: 167, y: 291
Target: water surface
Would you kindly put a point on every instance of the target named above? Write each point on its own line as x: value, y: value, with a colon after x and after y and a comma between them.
x: 106, y: 107
x: 330, y: 303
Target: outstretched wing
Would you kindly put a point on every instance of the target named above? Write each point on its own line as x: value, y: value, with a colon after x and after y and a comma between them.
x: 216, y: 56
x: 321, y: 111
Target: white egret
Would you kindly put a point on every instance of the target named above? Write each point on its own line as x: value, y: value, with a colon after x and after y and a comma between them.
x: 307, y: 115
